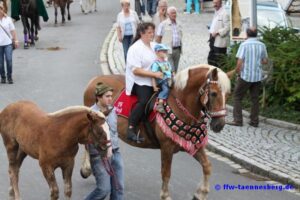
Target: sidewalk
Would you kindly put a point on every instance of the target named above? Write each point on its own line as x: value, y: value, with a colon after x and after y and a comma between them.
x: 272, y: 150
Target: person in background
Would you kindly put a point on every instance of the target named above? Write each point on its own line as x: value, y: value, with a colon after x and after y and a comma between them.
x: 8, y: 38
x: 250, y: 57
x: 219, y: 34
x: 164, y: 85
x: 106, y: 184
x: 127, y: 21
x: 161, y: 15
x: 138, y: 76
x: 189, y: 6
x: 169, y: 32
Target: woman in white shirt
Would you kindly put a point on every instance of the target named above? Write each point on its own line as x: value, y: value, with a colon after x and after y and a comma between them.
x: 7, y: 37
x: 127, y: 21
x: 139, y: 76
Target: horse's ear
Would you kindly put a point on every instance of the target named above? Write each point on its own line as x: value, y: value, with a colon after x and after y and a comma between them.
x: 214, y: 74
x: 90, y: 116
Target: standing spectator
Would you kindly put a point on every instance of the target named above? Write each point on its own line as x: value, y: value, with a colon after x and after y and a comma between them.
x: 251, y: 55
x: 189, y: 6
x: 127, y: 21
x: 151, y: 7
x: 169, y: 32
x: 138, y: 8
x: 219, y: 34
x: 138, y: 75
x: 8, y: 36
x: 106, y: 184
x: 161, y: 15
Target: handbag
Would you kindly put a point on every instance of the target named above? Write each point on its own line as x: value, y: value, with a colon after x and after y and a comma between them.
x: 13, y: 41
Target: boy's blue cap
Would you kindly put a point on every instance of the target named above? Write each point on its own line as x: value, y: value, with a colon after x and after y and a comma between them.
x: 161, y: 47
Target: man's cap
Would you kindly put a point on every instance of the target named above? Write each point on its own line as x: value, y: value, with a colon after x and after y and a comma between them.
x: 160, y: 47
x: 102, y: 88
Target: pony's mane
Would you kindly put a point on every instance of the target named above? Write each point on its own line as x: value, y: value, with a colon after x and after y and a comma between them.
x: 74, y: 109
x: 182, y: 77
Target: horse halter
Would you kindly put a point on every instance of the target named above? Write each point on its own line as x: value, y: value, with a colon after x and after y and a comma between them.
x: 204, y: 90
x: 101, y: 146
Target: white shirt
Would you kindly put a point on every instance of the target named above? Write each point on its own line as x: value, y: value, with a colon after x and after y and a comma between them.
x: 217, y: 16
x: 133, y: 19
x: 139, y: 56
x: 8, y: 25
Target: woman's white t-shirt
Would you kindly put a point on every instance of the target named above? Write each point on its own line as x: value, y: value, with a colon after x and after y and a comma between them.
x: 139, y: 56
x: 8, y: 25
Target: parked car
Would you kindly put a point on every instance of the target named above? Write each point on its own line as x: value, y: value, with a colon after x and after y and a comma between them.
x: 269, y: 14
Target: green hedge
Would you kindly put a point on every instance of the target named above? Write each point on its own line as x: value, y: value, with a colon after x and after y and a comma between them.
x: 281, y: 94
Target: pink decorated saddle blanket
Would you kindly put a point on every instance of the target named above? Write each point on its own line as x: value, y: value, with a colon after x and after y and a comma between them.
x: 125, y: 103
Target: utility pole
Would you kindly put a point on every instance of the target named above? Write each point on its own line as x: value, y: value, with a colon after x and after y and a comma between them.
x: 253, y: 19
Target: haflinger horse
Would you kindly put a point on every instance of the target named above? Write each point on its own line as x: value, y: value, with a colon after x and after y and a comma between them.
x: 29, y: 11
x: 62, y: 4
x: 51, y: 138
x: 88, y: 6
x: 199, y: 93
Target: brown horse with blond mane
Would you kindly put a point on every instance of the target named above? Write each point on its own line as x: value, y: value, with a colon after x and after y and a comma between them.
x: 51, y: 138
x: 198, y: 89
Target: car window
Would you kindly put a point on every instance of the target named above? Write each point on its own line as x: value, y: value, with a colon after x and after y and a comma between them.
x: 270, y: 18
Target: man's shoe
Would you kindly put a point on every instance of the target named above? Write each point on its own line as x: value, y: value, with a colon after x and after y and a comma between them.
x: 234, y: 123
x: 3, y: 80
x: 131, y: 135
x: 253, y: 124
x: 10, y: 81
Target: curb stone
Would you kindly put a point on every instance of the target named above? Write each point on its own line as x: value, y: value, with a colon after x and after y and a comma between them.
x: 111, y: 65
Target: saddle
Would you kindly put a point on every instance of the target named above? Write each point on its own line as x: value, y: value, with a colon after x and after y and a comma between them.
x: 124, y: 104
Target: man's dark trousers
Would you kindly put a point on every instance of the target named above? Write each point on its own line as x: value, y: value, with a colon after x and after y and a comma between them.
x: 240, y: 90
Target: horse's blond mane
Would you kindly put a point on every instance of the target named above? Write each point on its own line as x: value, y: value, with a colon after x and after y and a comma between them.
x: 182, y: 77
x: 74, y: 109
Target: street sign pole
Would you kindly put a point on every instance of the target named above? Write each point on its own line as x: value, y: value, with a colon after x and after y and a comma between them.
x: 253, y: 19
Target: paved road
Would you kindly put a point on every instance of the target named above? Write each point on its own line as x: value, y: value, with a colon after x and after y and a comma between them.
x: 55, y: 79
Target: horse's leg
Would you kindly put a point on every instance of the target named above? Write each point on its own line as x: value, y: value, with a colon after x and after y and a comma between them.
x: 68, y: 8
x: 32, y: 32
x: 12, y: 148
x: 62, y: 11
x: 67, y: 176
x: 48, y: 172
x: 166, y: 162
x: 19, y: 160
x: 25, y: 32
x: 55, y: 13
x: 37, y: 27
x: 203, y: 189
x: 85, y: 170
x: 95, y: 5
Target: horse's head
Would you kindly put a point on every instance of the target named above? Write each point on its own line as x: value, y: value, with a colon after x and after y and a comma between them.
x: 99, y: 132
x: 209, y: 85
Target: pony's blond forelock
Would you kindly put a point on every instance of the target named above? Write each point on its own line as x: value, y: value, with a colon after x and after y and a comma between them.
x: 182, y: 77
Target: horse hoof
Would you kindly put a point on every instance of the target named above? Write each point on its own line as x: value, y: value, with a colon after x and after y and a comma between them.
x: 85, y: 174
x: 36, y: 38
x: 69, y: 18
x: 26, y: 46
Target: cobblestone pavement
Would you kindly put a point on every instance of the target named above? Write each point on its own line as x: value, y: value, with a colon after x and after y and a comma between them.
x: 272, y: 150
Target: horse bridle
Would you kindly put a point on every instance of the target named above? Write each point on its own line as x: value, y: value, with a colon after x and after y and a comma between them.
x: 204, y: 90
x: 101, y: 146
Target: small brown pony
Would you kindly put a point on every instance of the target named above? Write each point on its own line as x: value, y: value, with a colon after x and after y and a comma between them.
x: 51, y: 138
x: 198, y: 88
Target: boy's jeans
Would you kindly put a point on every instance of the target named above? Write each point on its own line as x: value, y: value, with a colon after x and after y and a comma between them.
x: 105, y: 183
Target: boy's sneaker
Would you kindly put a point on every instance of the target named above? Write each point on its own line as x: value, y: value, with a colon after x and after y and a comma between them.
x: 160, y: 108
